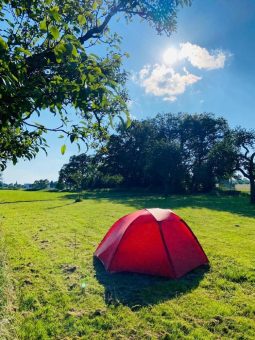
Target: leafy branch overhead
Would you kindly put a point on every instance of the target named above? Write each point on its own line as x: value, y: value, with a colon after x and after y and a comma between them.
x: 48, y: 61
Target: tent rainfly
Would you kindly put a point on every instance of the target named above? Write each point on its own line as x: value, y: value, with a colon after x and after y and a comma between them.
x: 151, y: 241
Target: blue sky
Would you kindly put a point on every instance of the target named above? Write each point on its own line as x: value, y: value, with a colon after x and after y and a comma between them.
x: 206, y: 66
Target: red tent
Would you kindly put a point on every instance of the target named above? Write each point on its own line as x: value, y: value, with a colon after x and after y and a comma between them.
x: 151, y: 241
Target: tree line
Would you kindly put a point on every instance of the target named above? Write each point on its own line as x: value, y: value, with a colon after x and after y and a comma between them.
x: 40, y: 184
x: 174, y: 153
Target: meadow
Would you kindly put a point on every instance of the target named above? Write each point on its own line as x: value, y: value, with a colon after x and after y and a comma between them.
x: 52, y: 288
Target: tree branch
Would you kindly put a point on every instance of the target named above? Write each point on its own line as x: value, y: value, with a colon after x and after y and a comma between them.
x: 42, y: 127
x: 247, y: 151
x: 252, y: 157
x: 242, y: 171
x: 95, y: 31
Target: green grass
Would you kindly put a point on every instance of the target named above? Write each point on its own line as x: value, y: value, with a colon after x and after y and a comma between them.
x: 47, y: 245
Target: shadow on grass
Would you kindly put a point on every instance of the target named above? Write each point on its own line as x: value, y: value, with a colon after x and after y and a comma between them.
x: 28, y: 201
x: 60, y: 206
x: 234, y: 204
x: 137, y: 290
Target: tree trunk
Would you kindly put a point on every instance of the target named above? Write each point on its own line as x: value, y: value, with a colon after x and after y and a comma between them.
x: 252, y: 189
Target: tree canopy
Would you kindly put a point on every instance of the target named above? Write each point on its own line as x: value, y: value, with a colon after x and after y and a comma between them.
x: 171, y: 152
x: 48, y: 62
x: 243, y: 153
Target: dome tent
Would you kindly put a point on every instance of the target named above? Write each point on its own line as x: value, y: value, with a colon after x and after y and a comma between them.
x: 151, y: 241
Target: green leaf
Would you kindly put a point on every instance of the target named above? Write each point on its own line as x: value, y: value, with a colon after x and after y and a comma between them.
x: 94, y: 6
x: 59, y: 51
x: 98, y: 70
x: 63, y: 149
x: 23, y: 50
x: 122, y: 121
x: 54, y: 12
x: 3, y: 44
x: 55, y: 32
x: 43, y: 25
x: 75, y: 52
x: 18, y: 11
x: 129, y: 121
x: 82, y: 20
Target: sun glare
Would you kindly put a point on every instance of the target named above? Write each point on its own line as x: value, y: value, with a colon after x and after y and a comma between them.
x: 171, y: 56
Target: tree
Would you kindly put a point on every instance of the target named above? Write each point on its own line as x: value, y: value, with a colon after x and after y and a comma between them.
x: 128, y: 150
x: 77, y: 178
x: 244, y: 143
x: 86, y: 172
x: 47, y: 62
x: 197, y: 135
x: 75, y: 174
x: 175, y: 152
x: 164, y: 168
x: 40, y: 184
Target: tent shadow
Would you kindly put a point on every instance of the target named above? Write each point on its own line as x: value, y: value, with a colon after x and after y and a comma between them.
x: 137, y: 290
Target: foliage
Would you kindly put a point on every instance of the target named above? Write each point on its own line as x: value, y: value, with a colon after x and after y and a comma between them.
x: 175, y: 152
x: 16, y: 142
x: 127, y: 152
x: 83, y: 172
x: 49, y: 244
x: 47, y: 61
x: 76, y: 175
x: 40, y: 184
x: 244, y: 143
x: 172, y: 152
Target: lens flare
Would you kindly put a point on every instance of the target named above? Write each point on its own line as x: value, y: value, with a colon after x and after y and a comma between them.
x: 171, y: 56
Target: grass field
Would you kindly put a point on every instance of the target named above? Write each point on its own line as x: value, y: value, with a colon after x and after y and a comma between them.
x: 242, y: 187
x: 50, y: 287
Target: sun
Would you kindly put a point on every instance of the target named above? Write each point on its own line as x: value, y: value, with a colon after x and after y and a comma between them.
x: 171, y: 56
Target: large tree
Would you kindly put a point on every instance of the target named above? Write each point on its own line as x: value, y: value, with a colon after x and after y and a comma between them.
x: 197, y: 135
x: 174, y: 152
x: 236, y: 154
x: 129, y: 150
x: 243, y: 141
x: 78, y: 173
x: 48, y: 61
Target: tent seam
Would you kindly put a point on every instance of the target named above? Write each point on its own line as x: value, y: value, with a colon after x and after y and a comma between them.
x: 166, y: 248
x: 170, y: 262
x: 194, y: 238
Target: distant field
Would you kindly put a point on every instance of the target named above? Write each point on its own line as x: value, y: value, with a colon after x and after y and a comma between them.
x: 242, y: 187
x: 50, y: 287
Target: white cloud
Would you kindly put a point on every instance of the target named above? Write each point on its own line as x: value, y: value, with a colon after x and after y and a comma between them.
x: 197, y: 56
x: 201, y: 58
x: 163, y: 80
